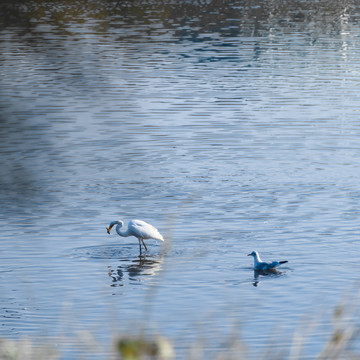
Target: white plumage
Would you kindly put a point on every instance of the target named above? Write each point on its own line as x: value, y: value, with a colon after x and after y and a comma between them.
x: 262, y: 265
x: 138, y: 228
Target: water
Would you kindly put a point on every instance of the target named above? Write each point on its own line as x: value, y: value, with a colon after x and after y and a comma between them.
x: 229, y: 127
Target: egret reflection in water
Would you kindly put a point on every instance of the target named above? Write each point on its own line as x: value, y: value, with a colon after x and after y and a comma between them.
x: 138, y: 270
x: 127, y: 267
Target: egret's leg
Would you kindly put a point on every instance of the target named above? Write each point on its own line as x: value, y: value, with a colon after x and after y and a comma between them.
x: 140, y: 246
x: 142, y: 240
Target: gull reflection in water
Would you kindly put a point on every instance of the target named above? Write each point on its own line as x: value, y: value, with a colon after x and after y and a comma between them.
x: 138, y: 270
x: 270, y: 272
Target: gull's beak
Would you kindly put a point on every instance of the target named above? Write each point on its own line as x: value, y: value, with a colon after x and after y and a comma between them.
x: 108, y: 229
x: 247, y: 254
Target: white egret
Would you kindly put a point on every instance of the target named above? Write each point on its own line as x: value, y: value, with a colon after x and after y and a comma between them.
x: 138, y: 228
x: 262, y: 265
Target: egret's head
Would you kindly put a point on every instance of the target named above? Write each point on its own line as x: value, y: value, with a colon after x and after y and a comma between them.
x: 112, y: 224
x: 254, y: 253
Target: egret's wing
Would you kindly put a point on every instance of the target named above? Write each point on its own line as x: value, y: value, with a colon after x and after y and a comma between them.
x: 143, y: 229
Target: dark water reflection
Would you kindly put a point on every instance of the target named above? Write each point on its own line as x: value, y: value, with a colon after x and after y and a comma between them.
x: 139, y: 270
x: 258, y: 274
x: 187, y: 18
x: 230, y: 126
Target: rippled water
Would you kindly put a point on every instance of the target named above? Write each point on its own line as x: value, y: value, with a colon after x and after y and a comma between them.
x: 231, y: 127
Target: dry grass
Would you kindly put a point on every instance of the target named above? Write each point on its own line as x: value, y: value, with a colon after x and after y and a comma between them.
x: 342, y: 344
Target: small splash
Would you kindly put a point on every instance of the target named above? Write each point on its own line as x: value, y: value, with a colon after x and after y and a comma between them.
x: 108, y: 251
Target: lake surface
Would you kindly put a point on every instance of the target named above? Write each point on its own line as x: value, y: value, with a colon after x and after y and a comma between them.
x: 231, y: 127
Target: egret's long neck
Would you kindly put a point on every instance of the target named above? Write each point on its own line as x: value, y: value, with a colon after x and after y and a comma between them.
x: 122, y: 232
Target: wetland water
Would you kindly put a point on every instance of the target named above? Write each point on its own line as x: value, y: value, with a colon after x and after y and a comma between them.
x: 230, y: 126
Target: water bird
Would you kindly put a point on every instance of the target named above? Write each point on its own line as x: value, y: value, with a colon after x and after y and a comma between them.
x: 138, y: 228
x: 262, y: 265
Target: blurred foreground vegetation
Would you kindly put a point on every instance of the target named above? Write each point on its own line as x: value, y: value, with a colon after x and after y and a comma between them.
x: 343, y: 343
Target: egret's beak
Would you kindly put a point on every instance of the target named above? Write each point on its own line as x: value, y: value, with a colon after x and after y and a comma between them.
x: 109, y: 228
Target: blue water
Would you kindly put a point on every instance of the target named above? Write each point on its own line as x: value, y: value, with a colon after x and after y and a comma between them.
x: 230, y: 134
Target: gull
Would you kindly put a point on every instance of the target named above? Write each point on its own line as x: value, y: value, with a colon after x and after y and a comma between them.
x: 262, y: 265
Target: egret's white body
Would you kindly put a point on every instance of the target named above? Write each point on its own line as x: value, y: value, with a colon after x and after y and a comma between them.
x: 262, y: 265
x: 138, y: 228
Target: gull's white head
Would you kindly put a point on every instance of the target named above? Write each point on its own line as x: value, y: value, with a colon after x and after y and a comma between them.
x: 254, y: 254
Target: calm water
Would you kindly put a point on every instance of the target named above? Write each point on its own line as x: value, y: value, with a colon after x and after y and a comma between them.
x: 231, y: 127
